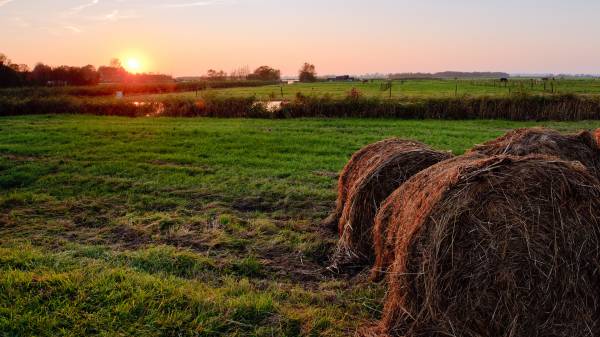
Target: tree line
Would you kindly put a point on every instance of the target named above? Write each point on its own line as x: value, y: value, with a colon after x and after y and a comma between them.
x: 307, y: 73
x: 15, y: 75
x: 448, y: 75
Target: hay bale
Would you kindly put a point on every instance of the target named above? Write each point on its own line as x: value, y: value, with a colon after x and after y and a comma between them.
x: 582, y: 147
x: 393, y: 208
x: 354, y: 169
x: 371, y: 175
x: 495, y: 246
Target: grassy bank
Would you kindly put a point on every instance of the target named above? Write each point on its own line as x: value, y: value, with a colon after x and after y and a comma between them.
x: 408, y: 89
x: 518, y: 107
x: 128, y: 88
x: 186, y: 227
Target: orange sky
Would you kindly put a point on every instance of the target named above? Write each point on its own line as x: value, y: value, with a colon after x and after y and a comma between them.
x: 187, y: 37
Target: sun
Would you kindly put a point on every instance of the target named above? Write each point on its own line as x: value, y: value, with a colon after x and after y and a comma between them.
x: 134, y: 65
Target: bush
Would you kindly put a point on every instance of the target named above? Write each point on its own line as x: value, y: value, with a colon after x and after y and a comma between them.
x: 129, y: 88
x: 516, y: 107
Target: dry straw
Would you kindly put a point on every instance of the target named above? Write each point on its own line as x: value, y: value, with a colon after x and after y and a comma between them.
x: 495, y: 246
x: 372, y: 174
x: 582, y: 147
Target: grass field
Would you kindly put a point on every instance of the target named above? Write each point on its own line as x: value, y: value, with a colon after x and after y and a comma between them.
x: 409, y: 89
x: 186, y: 227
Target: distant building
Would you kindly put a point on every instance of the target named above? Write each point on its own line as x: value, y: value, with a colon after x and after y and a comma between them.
x: 57, y: 83
x: 343, y: 78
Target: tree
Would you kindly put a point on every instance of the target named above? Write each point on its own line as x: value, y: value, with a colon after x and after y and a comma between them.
x: 308, y: 73
x: 113, y: 73
x: 22, y: 68
x: 212, y: 74
x: 4, y: 60
x: 89, y: 75
x: 115, y: 63
x: 41, y: 74
x: 265, y: 73
x: 9, y: 77
x: 240, y: 73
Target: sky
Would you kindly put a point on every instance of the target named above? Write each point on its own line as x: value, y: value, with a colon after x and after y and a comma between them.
x: 188, y: 37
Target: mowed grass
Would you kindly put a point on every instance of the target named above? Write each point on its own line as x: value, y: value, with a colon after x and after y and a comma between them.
x: 186, y: 227
x: 408, y: 89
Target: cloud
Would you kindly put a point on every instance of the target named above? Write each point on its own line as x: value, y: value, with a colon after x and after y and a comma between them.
x: 193, y: 4
x: 19, y: 22
x: 115, y: 16
x: 73, y: 29
x: 80, y: 8
x: 5, y: 2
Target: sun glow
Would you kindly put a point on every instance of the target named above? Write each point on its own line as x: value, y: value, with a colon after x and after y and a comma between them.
x: 133, y: 65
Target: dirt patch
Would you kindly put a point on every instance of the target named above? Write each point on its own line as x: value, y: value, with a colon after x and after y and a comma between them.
x: 254, y: 204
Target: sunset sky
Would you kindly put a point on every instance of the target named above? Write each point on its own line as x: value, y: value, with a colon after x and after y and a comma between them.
x: 187, y: 37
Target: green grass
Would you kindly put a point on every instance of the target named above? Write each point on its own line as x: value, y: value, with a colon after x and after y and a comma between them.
x: 409, y: 89
x: 186, y: 227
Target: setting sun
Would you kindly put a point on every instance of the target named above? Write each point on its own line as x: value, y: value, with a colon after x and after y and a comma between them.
x: 133, y: 65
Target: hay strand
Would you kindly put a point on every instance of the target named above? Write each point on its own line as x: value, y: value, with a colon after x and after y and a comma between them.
x: 495, y: 246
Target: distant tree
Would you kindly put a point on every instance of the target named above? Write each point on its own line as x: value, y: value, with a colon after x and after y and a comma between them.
x: 89, y: 75
x: 307, y: 73
x: 115, y: 63
x: 22, y: 68
x: 240, y: 73
x: 265, y: 73
x: 9, y: 77
x: 113, y: 73
x: 4, y: 59
x: 212, y: 74
x: 9, y: 73
x: 41, y: 74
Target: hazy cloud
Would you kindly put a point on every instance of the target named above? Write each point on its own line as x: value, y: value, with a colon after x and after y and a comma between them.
x: 115, y: 15
x: 78, y: 9
x: 4, y: 2
x: 84, y: 6
x: 193, y: 4
x: 19, y: 22
x: 73, y: 29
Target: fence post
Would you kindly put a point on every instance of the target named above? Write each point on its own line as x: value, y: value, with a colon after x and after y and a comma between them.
x: 456, y: 88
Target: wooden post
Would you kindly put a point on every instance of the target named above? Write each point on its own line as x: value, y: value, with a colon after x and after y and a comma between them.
x: 391, y: 89
x: 281, y: 91
x: 456, y: 89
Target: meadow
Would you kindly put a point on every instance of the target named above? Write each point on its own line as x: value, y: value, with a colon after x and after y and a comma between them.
x: 188, y: 227
x: 402, y: 89
x: 518, y: 100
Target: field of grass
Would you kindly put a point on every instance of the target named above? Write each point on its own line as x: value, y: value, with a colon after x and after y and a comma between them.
x: 186, y: 227
x: 520, y: 100
x: 409, y: 89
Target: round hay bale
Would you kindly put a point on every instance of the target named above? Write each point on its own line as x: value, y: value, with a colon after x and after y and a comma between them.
x: 368, y: 179
x: 354, y: 169
x: 496, y: 246
x: 582, y: 147
x: 393, y: 208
